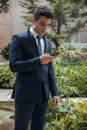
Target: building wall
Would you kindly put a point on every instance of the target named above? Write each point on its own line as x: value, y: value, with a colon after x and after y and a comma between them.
x: 81, y: 36
x: 17, y: 20
x: 6, y: 26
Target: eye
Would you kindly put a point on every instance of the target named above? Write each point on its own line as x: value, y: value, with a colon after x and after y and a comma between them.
x: 48, y: 25
x: 42, y: 24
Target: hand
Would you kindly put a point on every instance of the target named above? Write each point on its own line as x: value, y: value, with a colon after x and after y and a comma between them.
x: 55, y: 101
x: 46, y: 58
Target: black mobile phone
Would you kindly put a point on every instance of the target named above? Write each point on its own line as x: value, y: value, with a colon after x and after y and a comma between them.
x: 56, y: 53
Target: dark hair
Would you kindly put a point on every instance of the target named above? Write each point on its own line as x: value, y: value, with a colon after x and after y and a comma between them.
x: 43, y: 11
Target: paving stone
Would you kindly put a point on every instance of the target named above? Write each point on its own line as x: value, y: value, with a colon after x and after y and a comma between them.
x: 5, y: 94
x: 6, y: 112
x: 7, y: 126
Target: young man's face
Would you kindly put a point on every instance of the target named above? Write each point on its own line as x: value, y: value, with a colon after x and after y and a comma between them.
x: 41, y: 25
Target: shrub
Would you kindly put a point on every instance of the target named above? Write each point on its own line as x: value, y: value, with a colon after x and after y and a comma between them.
x: 72, y: 116
x: 6, y: 77
x: 5, y: 52
x: 71, y: 80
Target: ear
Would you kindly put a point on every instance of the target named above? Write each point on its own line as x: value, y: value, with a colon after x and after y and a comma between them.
x: 33, y: 21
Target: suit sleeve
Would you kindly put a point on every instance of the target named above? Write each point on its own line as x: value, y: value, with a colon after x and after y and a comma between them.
x: 52, y: 80
x: 16, y: 62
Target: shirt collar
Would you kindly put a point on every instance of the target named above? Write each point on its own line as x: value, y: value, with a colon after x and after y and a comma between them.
x: 33, y: 32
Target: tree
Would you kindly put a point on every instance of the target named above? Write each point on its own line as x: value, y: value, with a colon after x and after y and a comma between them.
x: 66, y: 12
x: 61, y: 10
x: 30, y: 6
x: 4, y: 6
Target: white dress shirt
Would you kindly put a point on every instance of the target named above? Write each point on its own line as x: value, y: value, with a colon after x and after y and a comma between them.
x: 41, y: 40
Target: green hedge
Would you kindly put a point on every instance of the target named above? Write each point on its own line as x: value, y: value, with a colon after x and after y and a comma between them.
x: 71, y: 80
x: 6, y: 77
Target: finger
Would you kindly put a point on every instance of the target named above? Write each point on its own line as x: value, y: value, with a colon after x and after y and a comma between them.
x: 55, y: 106
x: 55, y: 102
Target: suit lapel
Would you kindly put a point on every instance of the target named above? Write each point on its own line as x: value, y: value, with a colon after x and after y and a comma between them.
x: 32, y: 42
x: 46, y: 45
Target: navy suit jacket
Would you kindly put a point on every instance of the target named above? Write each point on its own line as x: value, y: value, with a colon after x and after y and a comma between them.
x: 30, y: 73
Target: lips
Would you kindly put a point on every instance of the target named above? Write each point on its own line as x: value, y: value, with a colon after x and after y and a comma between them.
x: 43, y: 32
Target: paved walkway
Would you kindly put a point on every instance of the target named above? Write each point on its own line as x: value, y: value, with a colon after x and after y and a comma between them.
x: 6, y: 110
x: 6, y: 123
x: 5, y: 94
x: 7, y: 126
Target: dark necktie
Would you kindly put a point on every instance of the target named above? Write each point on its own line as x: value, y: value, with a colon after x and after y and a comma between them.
x: 39, y: 45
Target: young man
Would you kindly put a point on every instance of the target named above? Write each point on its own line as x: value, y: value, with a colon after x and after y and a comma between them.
x: 31, y: 59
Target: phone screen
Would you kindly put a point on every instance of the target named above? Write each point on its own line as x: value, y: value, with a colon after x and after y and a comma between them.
x: 56, y: 53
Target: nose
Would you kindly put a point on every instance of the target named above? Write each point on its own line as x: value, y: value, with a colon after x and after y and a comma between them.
x: 45, y: 28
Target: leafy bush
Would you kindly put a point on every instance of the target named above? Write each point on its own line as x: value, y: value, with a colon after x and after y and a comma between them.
x: 5, y: 52
x: 71, y: 80
x: 68, y: 116
x: 6, y: 77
